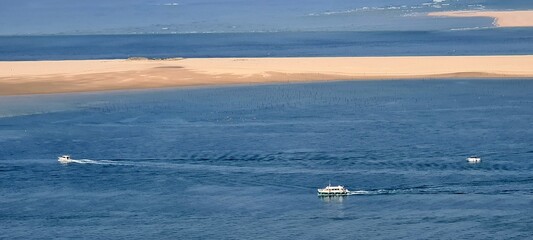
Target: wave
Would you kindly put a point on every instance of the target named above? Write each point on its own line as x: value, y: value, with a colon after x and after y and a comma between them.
x: 360, y: 192
x: 416, y: 9
x: 470, y: 28
x: 170, y: 4
x: 482, y: 188
x: 297, y: 162
x: 490, y: 187
x: 438, y: 4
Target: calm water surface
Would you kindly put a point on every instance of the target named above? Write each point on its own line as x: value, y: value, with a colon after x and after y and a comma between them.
x: 244, y: 162
x: 512, y: 41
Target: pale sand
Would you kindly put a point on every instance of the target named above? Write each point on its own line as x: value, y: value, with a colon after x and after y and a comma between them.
x: 501, y: 18
x: 32, y: 77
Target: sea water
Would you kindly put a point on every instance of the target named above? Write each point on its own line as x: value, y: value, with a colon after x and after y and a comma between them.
x: 244, y: 162
x: 512, y: 41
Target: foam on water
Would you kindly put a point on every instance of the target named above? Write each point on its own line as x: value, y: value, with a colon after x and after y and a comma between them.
x: 100, y: 162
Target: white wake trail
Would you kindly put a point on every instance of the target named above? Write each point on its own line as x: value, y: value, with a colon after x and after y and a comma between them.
x: 100, y: 162
x: 359, y: 192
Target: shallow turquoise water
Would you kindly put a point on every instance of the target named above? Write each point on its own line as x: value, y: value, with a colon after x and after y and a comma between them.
x: 244, y: 162
x: 159, y: 16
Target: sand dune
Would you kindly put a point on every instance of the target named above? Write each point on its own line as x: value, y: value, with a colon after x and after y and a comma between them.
x: 33, y: 77
x: 501, y: 18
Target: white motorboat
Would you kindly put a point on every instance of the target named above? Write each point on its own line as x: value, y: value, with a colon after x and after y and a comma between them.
x: 333, y: 191
x: 64, y: 159
x: 473, y: 159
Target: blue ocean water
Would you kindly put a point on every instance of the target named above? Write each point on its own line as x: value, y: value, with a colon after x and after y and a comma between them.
x: 245, y: 162
x: 281, y: 44
x: 164, y: 16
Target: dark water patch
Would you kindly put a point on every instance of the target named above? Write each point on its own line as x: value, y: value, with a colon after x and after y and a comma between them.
x: 281, y: 44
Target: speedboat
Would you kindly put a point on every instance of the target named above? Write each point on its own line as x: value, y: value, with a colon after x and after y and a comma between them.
x: 473, y: 159
x: 64, y: 159
x: 333, y: 191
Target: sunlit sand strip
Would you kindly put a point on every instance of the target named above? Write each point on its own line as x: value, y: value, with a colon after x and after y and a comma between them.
x: 501, y: 18
x: 35, y: 77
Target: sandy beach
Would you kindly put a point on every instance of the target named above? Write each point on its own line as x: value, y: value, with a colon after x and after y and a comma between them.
x: 38, y: 77
x: 501, y: 18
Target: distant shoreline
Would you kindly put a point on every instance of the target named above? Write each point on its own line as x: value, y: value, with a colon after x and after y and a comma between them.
x: 501, y: 18
x: 43, y: 77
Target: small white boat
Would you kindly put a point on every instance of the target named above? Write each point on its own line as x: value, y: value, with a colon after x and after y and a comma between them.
x: 64, y: 159
x: 333, y: 191
x: 473, y: 159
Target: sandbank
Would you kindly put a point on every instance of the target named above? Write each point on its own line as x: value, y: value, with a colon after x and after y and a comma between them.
x: 501, y: 18
x: 38, y: 77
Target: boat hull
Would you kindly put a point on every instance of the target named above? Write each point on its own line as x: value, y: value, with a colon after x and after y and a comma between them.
x: 333, y: 191
x: 64, y: 160
x: 333, y: 194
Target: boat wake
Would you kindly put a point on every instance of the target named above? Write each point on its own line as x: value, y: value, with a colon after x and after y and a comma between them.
x: 402, y: 191
x: 360, y: 192
x: 413, y: 190
x: 125, y: 163
x: 99, y: 162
